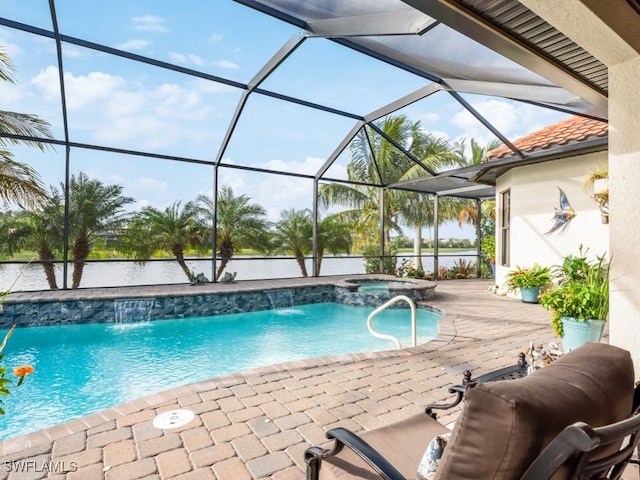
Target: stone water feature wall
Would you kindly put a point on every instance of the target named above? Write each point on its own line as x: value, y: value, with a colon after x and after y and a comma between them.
x: 77, y: 307
x: 166, y: 306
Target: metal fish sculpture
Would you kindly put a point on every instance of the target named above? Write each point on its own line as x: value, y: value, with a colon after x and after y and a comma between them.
x: 562, y: 215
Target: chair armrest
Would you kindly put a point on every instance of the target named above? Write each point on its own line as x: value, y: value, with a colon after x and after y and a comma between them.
x: 511, y: 372
x: 344, y: 437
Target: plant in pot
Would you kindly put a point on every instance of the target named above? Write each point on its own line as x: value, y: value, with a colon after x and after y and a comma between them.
x: 580, y: 305
x: 529, y: 281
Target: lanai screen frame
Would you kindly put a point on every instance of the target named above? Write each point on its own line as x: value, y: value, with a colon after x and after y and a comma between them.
x: 437, y: 84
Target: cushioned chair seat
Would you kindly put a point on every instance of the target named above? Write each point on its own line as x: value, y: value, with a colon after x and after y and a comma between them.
x: 505, y: 426
x: 392, y: 440
x: 592, y: 384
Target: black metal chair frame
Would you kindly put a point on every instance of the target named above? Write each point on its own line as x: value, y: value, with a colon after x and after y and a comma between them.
x: 576, y: 443
x: 343, y: 437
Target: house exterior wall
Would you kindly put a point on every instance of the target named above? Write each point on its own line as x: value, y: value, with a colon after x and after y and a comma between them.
x: 534, y: 195
x: 576, y: 21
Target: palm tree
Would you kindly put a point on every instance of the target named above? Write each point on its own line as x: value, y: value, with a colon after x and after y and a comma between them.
x: 94, y: 209
x: 384, y: 163
x: 478, y: 152
x: 466, y: 210
x: 40, y: 230
x: 174, y: 229
x: 333, y: 237
x: 19, y: 183
x: 240, y: 224
x: 469, y: 213
x: 294, y: 233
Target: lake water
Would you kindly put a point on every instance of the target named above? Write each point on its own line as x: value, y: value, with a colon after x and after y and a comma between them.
x: 116, y: 274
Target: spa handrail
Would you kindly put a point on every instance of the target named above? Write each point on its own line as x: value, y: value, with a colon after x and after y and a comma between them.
x: 396, y: 299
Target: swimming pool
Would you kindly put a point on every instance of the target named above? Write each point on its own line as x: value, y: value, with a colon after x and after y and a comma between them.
x: 84, y: 368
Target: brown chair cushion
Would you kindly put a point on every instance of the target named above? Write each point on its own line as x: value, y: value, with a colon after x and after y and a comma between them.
x: 505, y: 425
x: 402, y: 444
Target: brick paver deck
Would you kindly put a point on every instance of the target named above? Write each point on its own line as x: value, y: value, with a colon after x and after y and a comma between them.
x: 257, y: 424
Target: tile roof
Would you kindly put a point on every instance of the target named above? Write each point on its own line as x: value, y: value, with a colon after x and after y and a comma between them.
x: 571, y: 130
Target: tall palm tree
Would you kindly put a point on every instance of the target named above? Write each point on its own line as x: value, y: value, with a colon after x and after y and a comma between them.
x: 94, y: 209
x: 174, y: 229
x: 240, y: 224
x: 19, y: 183
x: 374, y: 159
x: 381, y: 164
x: 467, y: 210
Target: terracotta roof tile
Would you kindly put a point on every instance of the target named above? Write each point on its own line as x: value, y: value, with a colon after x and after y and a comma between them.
x: 573, y: 129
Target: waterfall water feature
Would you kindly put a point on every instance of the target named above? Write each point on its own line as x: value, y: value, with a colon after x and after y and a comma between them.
x: 280, y: 298
x: 133, y: 311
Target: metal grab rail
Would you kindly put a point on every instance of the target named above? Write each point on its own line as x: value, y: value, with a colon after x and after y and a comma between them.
x: 396, y: 299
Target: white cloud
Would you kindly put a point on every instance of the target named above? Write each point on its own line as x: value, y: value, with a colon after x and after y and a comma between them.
x: 47, y: 82
x: 429, y: 118
x: 171, y: 100
x: 512, y: 119
x: 11, y: 95
x: 81, y: 90
x: 310, y: 165
x: 72, y: 52
x: 189, y: 58
x: 178, y: 57
x: 147, y: 132
x: 150, y: 23
x: 226, y: 64
x: 500, y: 114
x: 11, y: 49
x: 134, y: 44
x: 152, y: 184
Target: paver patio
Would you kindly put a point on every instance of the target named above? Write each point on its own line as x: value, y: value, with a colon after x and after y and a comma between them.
x: 257, y: 424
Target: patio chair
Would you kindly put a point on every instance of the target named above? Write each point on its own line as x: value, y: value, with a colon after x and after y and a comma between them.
x: 576, y: 418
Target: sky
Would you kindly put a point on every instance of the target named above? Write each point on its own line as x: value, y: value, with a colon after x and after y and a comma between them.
x: 123, y: 104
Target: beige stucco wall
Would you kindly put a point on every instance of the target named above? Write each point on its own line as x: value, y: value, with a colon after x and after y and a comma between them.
x: 624, y: 139
x: 573, y: 19
x: 534, y: 195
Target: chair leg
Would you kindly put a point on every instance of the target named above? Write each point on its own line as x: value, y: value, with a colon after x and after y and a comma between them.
x: 313, y: 463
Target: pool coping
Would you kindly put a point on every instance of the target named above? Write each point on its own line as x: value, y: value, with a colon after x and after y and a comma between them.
x: 186, y: 289
x: 446, y: 333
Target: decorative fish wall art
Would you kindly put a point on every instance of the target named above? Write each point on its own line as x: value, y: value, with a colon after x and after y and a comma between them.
x: 562, y: 215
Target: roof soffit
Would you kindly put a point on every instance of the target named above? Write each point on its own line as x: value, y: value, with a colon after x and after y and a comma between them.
x: 468, y: 22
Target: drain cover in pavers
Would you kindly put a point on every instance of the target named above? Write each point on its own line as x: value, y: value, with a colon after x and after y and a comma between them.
x: 173, y: 419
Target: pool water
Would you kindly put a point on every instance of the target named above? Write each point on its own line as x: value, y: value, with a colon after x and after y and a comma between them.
x: 377, y: 287
x: 80, y: 369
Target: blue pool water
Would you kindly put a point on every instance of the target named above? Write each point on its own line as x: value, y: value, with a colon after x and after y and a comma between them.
x: 80, y: 369
x: 377, y: 287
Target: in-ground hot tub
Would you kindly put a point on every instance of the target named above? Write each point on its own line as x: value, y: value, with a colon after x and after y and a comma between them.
x: 377, y: 286
x: 376, y: 289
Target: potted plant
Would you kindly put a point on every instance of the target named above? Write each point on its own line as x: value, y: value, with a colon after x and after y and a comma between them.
x: 529, y: 281
x: 580, y: 304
